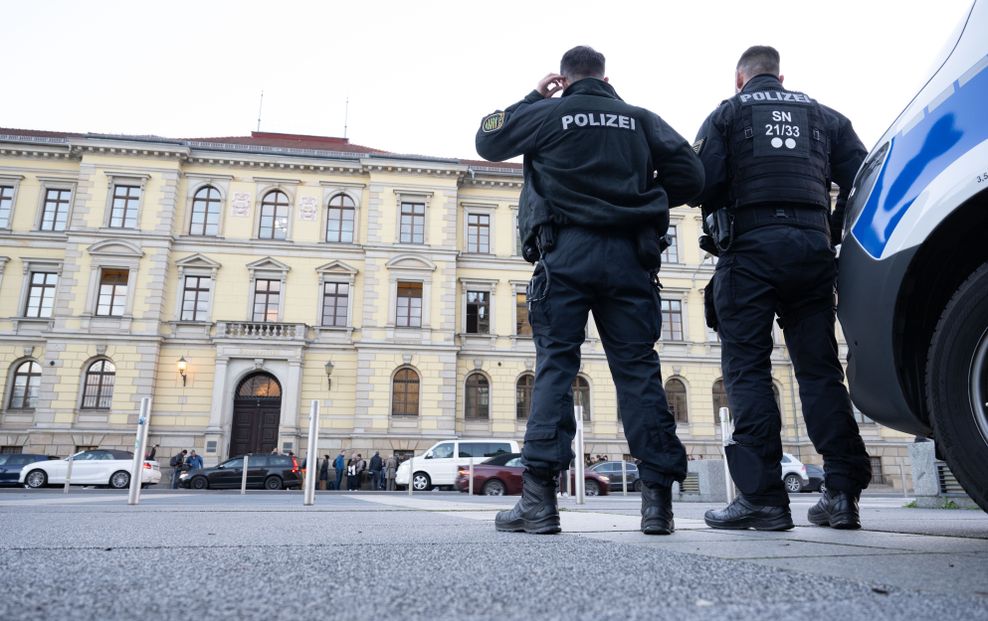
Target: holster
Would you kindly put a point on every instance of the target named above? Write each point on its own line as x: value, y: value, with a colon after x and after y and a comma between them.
x: 720, y: 224
x: 709, y: 309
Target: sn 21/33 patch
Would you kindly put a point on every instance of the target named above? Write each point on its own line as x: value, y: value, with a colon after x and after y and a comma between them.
x: 492, y: 122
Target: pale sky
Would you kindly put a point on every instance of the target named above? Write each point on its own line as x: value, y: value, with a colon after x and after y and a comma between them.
x: 420, y: 74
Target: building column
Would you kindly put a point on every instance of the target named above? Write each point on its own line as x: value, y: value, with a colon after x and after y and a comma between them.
x: 215, y: 447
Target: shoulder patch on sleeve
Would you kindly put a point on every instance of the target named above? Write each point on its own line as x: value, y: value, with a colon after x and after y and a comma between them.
x: 698, y: 145
x: 492, y: 122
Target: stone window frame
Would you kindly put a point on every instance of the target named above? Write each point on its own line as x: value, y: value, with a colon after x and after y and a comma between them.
x: 340, y: 273
x: 267, y: 268
x: 672, y: 296
x: 516, y: 243
x: 195, y: 265
x: 196, y: 183
x: 55, y: 183
x: 8, y: 394
x: 519, y: 287
x: 353, y: 191
x: 490, y: 392
x: 528, y: 373
x: 14, y: 182
x: 124, y: 179
x: 674, y: 227
x: 391, y: 393
x: 89, y: 364
x: 479, y: 209
x: 112, y: 254
x: 31, y: 266
x: 488, y: 286
x: 686, y: 389
x: 423, y: 197
x: 410, y: 268
x: 263, y: 188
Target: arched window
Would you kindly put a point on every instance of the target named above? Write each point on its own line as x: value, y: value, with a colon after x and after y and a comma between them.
x: 523, y: 396
x: 676, y: 394
x: 274, y: 216
x: 339, y: 219
x: 581, y: 395
x: 97, y: 392
x: 478, y: 396
x: 205, y: 212
x: 259, y: 385
x: 27, y: 380
x: 405, y: 393
x: 720, y: 400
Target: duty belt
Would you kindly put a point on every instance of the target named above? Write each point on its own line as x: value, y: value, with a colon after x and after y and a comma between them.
x: 757, y: 216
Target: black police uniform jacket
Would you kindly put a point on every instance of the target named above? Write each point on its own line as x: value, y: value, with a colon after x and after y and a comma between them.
x: 591, y: 160
x: 769, y: 145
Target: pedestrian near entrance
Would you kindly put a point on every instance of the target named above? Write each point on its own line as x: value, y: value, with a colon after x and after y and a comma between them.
x: 376, y: 465
x: 177, y: 462
x: 194, y: 461
x: 339, y: 465
x: 390, y: 470
x: 600, y: 176
x: 770, y: 155
x: 324, y: 472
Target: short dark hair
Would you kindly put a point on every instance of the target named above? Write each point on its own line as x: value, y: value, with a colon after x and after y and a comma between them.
x: 582, y: 62
x: 759, y: 59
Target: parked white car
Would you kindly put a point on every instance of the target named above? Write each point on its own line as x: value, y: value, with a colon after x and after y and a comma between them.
x: 438, y: 465
x: 794, y: 475
x: 94, y: 467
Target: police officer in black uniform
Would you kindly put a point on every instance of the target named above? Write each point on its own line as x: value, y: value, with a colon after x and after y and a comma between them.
x: 600, y: 176
x: 770, y: 155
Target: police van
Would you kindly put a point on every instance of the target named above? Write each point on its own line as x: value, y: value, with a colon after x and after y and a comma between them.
x: 913, y: 288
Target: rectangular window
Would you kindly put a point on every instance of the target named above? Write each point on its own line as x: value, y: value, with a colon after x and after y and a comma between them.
x: 55, y: 212
x: 6, y: 205
x: 671, y: 254
x: 672, y: 320
x: 412, y: 223
x: 41, y: 294
x: 478, y: 312
x: 112, y: 292
x: 522, y: 327
x: 409, y: 311
x: 335, y: 298
x: 478, y: 233
x: 123, y: 211
x: 876, y: 470
x: 267, y: 295
x: 195, y: 298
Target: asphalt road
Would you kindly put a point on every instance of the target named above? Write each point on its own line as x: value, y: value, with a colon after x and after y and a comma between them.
x: 217, y: 555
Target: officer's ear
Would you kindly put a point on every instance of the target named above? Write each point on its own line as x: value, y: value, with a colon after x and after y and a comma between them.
x: 606, y: 79
x: 782, y: 78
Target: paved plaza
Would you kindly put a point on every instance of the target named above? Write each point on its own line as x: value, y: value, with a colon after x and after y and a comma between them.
x: 435, y: 555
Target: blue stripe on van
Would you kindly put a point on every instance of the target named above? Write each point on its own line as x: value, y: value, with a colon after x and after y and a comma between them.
x: 918, y: 155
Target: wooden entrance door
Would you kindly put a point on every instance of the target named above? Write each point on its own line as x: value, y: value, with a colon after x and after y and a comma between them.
x: 256, y: 415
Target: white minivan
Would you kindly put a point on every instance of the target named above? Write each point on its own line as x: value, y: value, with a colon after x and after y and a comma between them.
x: 437, y: 466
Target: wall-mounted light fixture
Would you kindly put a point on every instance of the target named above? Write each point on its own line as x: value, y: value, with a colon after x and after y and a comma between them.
x: 329, y: 373
x: 182, y: 366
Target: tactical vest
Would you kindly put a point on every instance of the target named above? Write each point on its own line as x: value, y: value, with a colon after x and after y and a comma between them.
x: 780, y: 151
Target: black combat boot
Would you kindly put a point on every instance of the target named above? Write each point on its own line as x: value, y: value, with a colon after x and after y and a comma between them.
x: 742, y: 514
x: 657, y: 509
x: 837, y: 510
x: 537, y: 512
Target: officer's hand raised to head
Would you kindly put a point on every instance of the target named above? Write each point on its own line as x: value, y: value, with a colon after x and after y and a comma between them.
x: 551, y: 84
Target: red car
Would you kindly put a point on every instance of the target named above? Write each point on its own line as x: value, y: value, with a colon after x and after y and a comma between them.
x: 501, y: 476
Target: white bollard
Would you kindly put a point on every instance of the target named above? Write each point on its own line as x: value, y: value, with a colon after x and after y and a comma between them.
x: 311, y: 457
x: 68, y: 474
x: 243, y: 475
x: 470, y: 487
x: 624, y: 476
x: 726, y: 432
x: 579, y: 483
x: 140, y: 446
x: 411, y: 473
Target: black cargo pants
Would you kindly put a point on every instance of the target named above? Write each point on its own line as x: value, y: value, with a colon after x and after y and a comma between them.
x: 791, y: 272
x: 589, y: 270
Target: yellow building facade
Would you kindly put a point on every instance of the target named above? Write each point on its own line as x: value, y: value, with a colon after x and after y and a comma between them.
x: 226, y: 277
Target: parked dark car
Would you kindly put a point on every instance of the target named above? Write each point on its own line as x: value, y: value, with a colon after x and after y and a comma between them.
x: 501, y: 476
x: 815, y: 474
x: 11, y: 464
x: 612, y: 470
x: 263, y: 471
